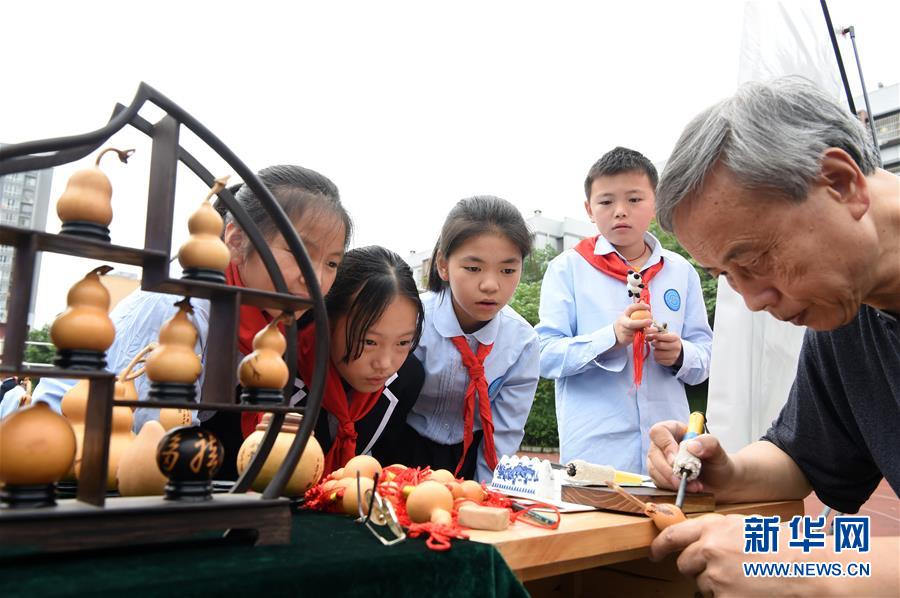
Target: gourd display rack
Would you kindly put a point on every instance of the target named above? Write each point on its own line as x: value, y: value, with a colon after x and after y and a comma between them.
x: 91, y: 519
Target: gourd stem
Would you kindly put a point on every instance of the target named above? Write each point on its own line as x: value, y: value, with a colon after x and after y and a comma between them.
x: 220, y: 184
x: 636, y: 501
x: 123, y: 154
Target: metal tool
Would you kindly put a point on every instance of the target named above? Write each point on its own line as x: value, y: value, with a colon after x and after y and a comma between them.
x: 686, y: 465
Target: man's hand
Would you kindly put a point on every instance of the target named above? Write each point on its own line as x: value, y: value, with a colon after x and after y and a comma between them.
x: 718, y: 470
x: 713, y: 550
x: 666, y: 346
x: 625, y: 327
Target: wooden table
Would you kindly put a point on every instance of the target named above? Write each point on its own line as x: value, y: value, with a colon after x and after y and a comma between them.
x: 565, y: 560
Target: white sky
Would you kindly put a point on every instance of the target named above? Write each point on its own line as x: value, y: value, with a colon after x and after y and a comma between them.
x: 407, y: 106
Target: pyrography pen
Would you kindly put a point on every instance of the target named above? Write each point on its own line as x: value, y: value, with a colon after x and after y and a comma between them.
x: 686, y: 465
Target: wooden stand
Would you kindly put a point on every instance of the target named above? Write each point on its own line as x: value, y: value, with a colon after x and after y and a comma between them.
x: 610, y: 500
x: 93, y: 520
x: 73, y: 525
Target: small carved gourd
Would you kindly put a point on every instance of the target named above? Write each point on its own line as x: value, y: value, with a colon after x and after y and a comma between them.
x: 174, y: 360
x: 85, y: 207
x: 205, y: 249
x: 138, y: 473
x: 85, y: 325
x: 174, y: 418
x: 308, y: 470
x: 37, y: 447
x: 264, y: 367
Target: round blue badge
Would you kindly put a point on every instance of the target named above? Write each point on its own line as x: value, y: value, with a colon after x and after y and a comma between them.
x: 673, y: 299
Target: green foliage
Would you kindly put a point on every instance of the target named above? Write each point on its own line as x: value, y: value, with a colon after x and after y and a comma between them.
x: 536, y: 264
x: 527, y: 300
x: 541, y: 430
x: 39, y: 353
x: 708, y: 284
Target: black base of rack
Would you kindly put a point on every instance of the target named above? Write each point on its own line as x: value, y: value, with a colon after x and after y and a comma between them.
x: 262, y: 396
x: 80, y: 359
x: 35, y: 496
x: 88, y: 230
x: 172, y: 391
x: 204, y: 274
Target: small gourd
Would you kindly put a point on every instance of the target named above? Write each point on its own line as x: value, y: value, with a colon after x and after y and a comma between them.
x: 37, y: 447
x: 205, y: 256
x: 83, y: 332
x: 85, y: 207
x: 174, y: 418
x: 174, y: 360
x: 263, y: 373
x: 125, y: 390
x: 308, y: 470
x: 138, y: 473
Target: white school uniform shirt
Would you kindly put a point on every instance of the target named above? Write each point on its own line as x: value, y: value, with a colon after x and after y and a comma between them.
x: 137, y: 319
x: 511, y: 370
x: 601, y: 418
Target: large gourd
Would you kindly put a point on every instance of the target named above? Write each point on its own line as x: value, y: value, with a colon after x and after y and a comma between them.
x: 83, y: 332
x: 138, y: 473
x: 263, y: 373
x: 37, y: 446
x: 85, y: 207
x: 205, y: 256
x: 308, y: 470
x: 74, y: 407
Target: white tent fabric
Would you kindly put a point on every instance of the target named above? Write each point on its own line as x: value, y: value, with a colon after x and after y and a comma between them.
x: 754, y: 357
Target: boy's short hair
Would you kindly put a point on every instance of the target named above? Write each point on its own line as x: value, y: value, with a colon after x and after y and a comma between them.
x: 619, y: 160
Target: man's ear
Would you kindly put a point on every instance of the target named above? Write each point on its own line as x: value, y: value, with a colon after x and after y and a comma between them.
x: 442, y: 267
x: 587, y: 208
x: 845, y: 181
x: 234, y: 240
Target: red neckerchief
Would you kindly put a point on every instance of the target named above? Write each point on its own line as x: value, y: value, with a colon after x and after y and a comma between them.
x: 477, y: 385
x: 347, y: 409
x: 613, y: 265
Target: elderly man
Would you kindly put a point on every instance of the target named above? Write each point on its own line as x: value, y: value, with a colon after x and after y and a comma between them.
x: 778, y: 190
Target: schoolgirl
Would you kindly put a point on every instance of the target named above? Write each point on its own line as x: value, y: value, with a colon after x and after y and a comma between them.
x: 480, y: 356
x: 373, y: 380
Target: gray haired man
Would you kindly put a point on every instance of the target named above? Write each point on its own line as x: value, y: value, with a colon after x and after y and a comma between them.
x: 778, y: 189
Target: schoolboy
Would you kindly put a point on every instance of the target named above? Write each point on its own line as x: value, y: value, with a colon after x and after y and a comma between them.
x: 610, y: 387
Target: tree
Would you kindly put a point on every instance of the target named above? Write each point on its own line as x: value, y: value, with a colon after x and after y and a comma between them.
x: 708, y: 284
x: 40, y: 353
x: 541, y: 428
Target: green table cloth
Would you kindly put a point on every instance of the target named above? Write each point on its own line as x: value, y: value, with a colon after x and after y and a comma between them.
x: 329, y: 555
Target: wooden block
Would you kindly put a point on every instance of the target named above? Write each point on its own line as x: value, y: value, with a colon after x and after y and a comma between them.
x: 492, y: 519
x: 610, y: 500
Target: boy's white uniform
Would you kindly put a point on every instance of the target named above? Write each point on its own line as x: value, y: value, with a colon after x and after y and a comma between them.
x: 600, y: 418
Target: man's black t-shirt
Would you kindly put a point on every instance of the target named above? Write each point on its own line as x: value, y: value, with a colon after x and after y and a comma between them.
x: 841, y: 424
